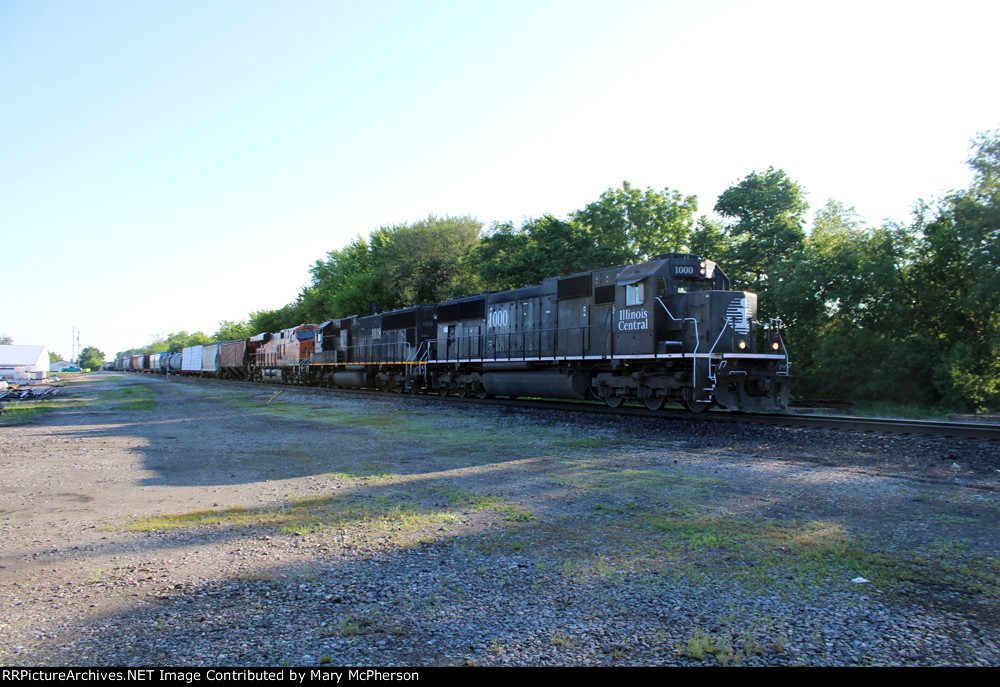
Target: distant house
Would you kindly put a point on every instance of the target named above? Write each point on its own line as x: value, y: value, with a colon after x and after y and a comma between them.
x: 60, y: 365
x: 22, y: 363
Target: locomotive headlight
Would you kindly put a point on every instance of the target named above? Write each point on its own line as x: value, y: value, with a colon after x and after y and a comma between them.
x: 742, y: 345
x: 775, y: 345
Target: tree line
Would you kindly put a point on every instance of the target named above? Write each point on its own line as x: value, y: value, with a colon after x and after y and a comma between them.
x: 901, y: 313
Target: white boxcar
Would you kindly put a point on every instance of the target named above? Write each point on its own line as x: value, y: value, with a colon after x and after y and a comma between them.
x: 191, y: 360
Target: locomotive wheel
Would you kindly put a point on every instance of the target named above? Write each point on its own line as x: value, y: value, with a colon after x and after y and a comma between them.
x: 613, y: 400
x: 444, y: 389
x: 481, y: 394
x: 654, y: 402
x: 696, y: 406
x: 462, y: 392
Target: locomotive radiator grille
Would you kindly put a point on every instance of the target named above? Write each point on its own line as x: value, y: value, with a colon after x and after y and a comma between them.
x: 739, y: 314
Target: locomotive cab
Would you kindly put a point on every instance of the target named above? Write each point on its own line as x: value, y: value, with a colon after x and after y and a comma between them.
x: 654, y: 300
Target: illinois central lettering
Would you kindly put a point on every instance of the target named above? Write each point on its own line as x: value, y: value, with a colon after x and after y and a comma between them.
x: 633, y: 320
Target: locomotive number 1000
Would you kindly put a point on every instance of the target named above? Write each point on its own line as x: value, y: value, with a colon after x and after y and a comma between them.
x: 498, y: 318
x: 683, y: 269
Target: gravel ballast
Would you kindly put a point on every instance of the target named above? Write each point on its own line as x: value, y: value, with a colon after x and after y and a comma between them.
x: 167, y: 521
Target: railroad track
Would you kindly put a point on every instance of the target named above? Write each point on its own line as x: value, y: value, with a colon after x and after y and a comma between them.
x: 937, y: 428
x: 980, y: 431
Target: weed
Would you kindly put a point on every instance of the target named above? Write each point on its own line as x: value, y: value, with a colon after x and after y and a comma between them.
x: 701, y: 644
x: 348, y: 626
x: 561, y: 639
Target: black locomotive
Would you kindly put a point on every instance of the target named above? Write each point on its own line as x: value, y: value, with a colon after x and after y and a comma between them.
x: 664, y: 330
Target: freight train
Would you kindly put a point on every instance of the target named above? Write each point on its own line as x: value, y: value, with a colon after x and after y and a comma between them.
x: 669, y: 330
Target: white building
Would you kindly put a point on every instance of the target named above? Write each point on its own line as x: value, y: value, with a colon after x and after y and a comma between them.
x: 22, y: 363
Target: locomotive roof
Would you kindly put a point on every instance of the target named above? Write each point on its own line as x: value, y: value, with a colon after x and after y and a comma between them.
x: 634, y: 273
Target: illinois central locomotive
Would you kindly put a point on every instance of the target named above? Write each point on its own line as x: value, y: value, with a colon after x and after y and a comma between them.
x: 666, y: 330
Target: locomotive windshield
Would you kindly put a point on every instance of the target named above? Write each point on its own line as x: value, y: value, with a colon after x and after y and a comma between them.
x: 666, y: 286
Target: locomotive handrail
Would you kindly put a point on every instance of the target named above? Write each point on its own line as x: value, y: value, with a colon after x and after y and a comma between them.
x: 421, y: 359
x: 375, y: 350
x: 781, y: 339
x: 725, y: 325
x: 484, y: 340
x: 694, y: 353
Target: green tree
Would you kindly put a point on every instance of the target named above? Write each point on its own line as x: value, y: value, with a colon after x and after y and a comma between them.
x: 54, y: 357
x: 629, y: 225
x: 423, y: 261
x: 842, y: 302
x: 956, y: 282
x: 509, y: 257
x: 231, y: 331
x: 276, y: 320
x: 91, y: 358
x: 342, y: 285
x: 402, y: 265
x: 710, y: 239
x: 6, y: 340
x: 172, y: 343
x: 158, y: 345
x: 766, y: 227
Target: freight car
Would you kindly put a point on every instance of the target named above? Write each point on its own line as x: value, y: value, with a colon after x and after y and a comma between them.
x: 667, y: 330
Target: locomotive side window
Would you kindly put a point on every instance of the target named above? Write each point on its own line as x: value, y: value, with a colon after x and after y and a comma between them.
x: 635, y: 294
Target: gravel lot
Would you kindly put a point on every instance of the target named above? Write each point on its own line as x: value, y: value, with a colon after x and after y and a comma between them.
x: 166, y: 521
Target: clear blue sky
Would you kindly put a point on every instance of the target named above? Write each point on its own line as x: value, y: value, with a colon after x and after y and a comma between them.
x: 165, y: 166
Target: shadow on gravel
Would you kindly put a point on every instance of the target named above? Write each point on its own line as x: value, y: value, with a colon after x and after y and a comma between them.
x: 503, y: 537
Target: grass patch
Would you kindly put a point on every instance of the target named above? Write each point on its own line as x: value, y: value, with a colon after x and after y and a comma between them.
x: 132, y: 397
x: 600, y: 476
x: 397, y: 512
x: 24, y: 411
x: 459, y: 437
x: 585, y: 443
x: 20, y: 411
x: 303, y: 516
x: 609, y: 544
x: 511, y: 511
x: 764, y: 554
x: 893, y: 410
